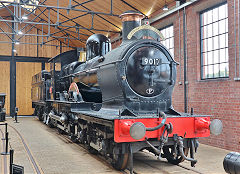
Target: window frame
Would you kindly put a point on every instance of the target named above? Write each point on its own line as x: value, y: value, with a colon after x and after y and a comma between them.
x: 167, y: 26
x: 202, y: 38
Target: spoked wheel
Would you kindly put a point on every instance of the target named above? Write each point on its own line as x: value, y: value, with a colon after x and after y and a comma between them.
x: 120, y: 161
x: 168, y: 153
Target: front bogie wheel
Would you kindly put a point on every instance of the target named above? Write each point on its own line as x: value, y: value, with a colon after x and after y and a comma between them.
x: 120, y: 161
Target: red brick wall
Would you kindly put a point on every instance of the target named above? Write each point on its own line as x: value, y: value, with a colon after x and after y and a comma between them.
x: 218, y: 97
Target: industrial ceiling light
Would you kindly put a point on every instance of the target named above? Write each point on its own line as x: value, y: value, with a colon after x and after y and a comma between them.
x: 14, y: 51
x: 165, y: 7
x: 24, y: 17
x: 20, y: 32
x: 17, y: 42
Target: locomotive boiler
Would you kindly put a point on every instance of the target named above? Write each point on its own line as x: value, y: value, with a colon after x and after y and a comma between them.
x: 119, y: 101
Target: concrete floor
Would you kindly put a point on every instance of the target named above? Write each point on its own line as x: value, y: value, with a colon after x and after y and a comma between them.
x: 54, y: 154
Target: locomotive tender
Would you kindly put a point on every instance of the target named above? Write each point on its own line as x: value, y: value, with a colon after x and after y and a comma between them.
x: 118, y: 102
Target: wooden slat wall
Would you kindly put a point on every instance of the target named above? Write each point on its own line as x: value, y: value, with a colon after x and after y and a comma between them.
x: 25, y: 71
x: 5, y: 82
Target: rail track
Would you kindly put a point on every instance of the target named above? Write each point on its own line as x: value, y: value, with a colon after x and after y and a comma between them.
x: 100, y: 158
x: 81, y: 147
x: 4, y: 165
x: 31, y: 158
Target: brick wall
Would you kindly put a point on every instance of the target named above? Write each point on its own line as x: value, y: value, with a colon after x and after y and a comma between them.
x: 218, y: 97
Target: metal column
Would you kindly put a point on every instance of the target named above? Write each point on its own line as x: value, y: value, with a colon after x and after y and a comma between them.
x: 13, y: 78
x: 185, y: 61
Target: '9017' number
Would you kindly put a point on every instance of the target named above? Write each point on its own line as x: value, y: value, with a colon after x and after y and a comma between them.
x: 151, y: 61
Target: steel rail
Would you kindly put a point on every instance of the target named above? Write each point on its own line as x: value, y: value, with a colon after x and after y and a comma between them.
x: 37, y: 168
x: 4, y: 156
x: 62, y: 8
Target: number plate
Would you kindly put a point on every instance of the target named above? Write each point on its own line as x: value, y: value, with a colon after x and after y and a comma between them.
x: 150, y: 61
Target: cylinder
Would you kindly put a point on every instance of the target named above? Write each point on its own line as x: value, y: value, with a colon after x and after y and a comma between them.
x: 231, y: 163
x: 130, y: 20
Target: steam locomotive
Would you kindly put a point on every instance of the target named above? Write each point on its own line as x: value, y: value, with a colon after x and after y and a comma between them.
x: 119, y: 101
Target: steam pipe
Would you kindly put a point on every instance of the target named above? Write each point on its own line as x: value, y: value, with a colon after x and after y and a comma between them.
x: 160, y: 125
x: 180, y: 143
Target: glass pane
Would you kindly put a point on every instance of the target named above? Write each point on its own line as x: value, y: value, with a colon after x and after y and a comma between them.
x: 222, y: 12
x: 167, y: 33
x: 224, y: 71
x: 206, y: 72
x: 215, y: 57
x: 204, y: 18
x: 171, y: 31
x: 215, y: 28
x: 167, y: 43
x: 209, y: 30
x: 226, y: 10
x: 215, y: 43
x: 164, y: 33
x: 215, y: 14
x: 222, y: 55
x: 226, y: 54
x: 210, y: 71
x: 222, y: 28
x: 209, y: 16
x: 216, y: 70
x: 210, y: 58
x: 163, y: 42
x: 226, y: 37
x: 222, y: 41
x: 172, y: 52
x: 226, y: 25
x: 227, y: 69
x: 204, y: 30
x: 204, y: 44
x: 204, y: 59
x: 209, y: 44
x: 171, y: 43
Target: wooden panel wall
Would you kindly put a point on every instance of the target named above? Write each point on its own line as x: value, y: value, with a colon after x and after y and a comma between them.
x: 25, y: 71
x: 5, y: 82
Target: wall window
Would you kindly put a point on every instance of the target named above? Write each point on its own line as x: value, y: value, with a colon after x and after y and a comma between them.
x: 169, y: 38
x: 214, y: 42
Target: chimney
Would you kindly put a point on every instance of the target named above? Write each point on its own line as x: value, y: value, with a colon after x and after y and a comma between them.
x: 130, y: 20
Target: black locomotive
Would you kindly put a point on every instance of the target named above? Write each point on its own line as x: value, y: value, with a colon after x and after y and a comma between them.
x: 119, y: 101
